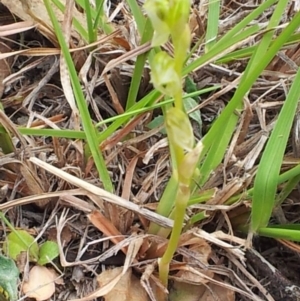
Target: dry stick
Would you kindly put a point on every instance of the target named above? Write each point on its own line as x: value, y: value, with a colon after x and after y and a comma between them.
x: 109, y: 197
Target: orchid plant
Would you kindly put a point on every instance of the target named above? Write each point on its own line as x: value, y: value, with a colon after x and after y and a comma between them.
x: 170, y: 20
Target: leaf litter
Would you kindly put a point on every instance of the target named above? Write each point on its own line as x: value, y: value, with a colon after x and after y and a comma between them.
x: 208, y: 265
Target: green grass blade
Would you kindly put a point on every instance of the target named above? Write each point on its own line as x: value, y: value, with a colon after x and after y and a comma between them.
x: 265, y: 184
x: 69, y: 134
x: 6, y: 143
x: 236, y: 34
x: 290, y: 232
x: 99, y: 13
x: 98, y: 17
x: 284, y: 177
x: 87, y: 123
x: 145, y: 104
x: 248, y: 51
x: 227, y: 120
x: 139, y: 17
x: 72, y: 134
x: 242, y: 25
x: 77, y: 25
x: 166, y: 203
x: 220, y: 49
x: 146, y: 101
x: 212, y: 24
x: 89, y: 20
x: 139, y: 67
x: 265, y: 42
x: 287, y: 189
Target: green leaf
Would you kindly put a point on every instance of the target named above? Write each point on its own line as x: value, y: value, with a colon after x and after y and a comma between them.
x: 9, y: 276
x: 48, y: 251
x: 190, y: 85
x: 189, y: 104
x: 5, y: 138
x: 20, y: 241
x: 157, y: 122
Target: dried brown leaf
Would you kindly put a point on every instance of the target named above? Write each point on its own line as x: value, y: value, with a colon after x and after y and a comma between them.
x: 35, y: 11
x: 215, y: 292
x: 5, y: 66
x: 40, y: 285
x: 33, y: 182
x: 18, y: 27
x: 106, y: 227
x: 127, y: 289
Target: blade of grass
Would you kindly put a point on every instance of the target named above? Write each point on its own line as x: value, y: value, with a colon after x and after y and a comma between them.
x: 98, y: 21
x: 286, y: 176
x: 139, y: 17
x: 139, y: 67
x: 226, y: 122
x: 92, y: 33
x: 70, y: 134
x: 166, y: 203
x: 6, y: 143
x: 221, y: 49
x: 78, y: 26
x: 263, y: 46
x: 148, y: 100
x: 265, y: 184
x: 290, y: 232
x: 87, y: 123
x: 212, y: 24
x: 230, y: 39
x: 242, y: 25
x: 145, y: 105
x: 99, y: 13
x: 247, y: 51
x: 287, y: 189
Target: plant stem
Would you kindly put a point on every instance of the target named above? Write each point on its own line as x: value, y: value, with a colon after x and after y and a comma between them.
x: 182, y: 199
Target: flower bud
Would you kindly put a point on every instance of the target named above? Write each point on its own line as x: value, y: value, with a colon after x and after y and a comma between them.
x: 179, y: 129
x: 158, y: 12
x: 179, y: 14
x: 188, y: 165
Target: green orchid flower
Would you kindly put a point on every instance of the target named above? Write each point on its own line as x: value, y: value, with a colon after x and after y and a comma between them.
x: 163, y: 74
x: 179, y: 128
x: 158, y: 11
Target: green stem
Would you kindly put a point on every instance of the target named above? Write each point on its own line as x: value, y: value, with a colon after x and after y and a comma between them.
x: 182, y: 199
